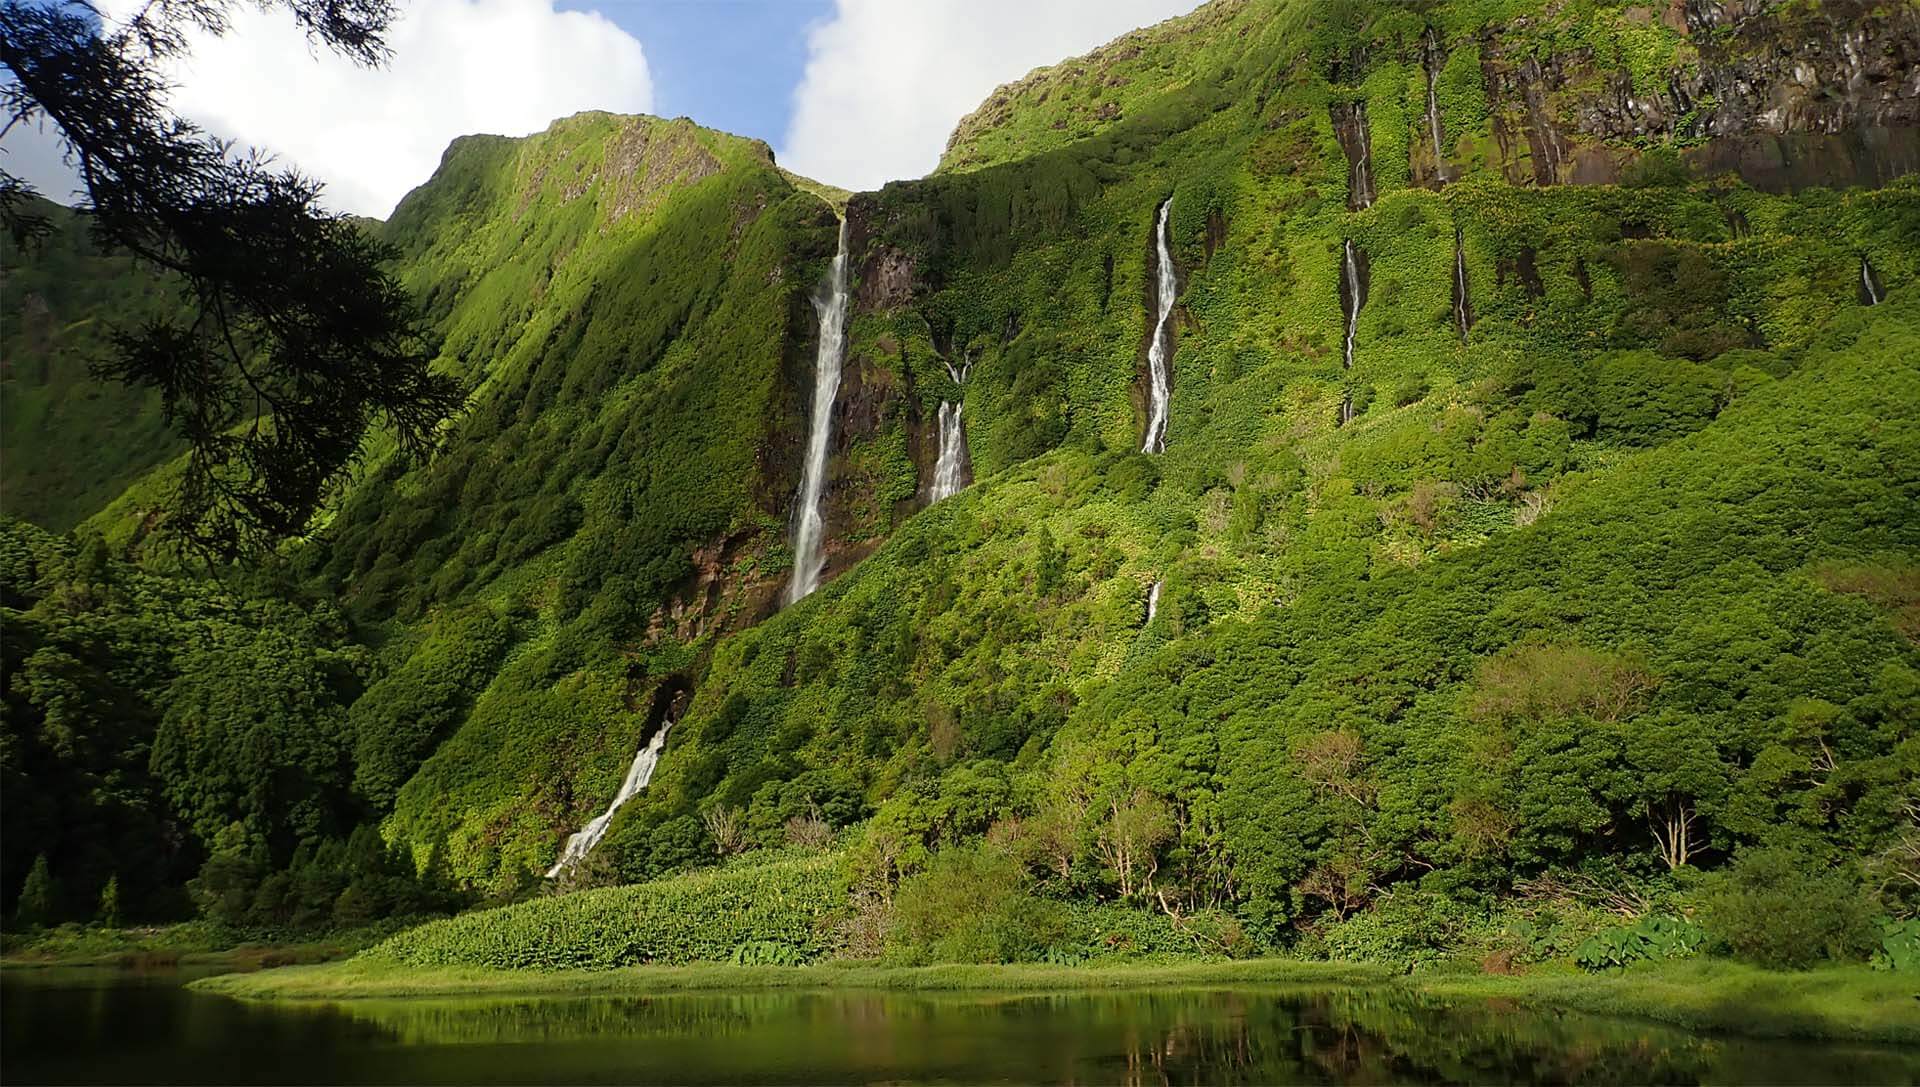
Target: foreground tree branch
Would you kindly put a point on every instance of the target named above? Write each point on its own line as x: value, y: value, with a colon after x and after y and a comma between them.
x: 293, y: 340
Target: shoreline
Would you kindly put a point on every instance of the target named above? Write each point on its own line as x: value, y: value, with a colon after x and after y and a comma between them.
x: 1850, y: 1004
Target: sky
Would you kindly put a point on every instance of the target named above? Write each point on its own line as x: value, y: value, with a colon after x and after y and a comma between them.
x: 855, y: 93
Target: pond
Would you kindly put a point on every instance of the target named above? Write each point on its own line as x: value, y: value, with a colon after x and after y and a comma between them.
x: 120, y: 1026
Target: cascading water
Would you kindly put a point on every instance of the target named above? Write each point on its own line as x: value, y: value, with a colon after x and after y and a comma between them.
x: 1353, y: 295
x: 1462, y: 303
x: 1870, y: 291
x: 1153, y: 601
x: 950, y: 470
x: 1351, y: 128
x: 1158, y: 364
x: 582, y: 841
x: 809, y: 534
x: 1354, y: 298
x: 1432, y: 49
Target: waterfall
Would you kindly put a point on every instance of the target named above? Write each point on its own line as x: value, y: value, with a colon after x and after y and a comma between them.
x: 1153, y: 600
x: 1363, y: 169
x: 1354, y: 299
x: 1433, y: 107
x: 1462, y: 305
x: 582, y: 841
x: 950, y: 470
x: 1870, y: 291
x: 1350, y: 127
x: 1157, y: 361
x: 830, y: 303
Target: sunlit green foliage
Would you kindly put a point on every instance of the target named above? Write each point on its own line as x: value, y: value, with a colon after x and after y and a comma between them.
x: 1618, y: 589
x: 698, y: 918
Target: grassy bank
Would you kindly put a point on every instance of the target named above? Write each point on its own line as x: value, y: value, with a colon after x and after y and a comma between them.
x: 371, y: 978
x: 1851, y: 1003
x: 192, y: 943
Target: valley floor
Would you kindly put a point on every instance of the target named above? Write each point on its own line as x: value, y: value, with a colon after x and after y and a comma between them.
x: 1846, y: 1003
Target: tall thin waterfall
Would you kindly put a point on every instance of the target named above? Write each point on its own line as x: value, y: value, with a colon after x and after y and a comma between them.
x: 582, y: 841
x: 1353, y: 295
x: 1432, y: 49
x: 809, y: 533
x: 1462, y: 303
x: 1153, y: 601
x: 1354, y: 299
x: 1870, y: 291
x: 950, y: 470
x: 1158, y: 364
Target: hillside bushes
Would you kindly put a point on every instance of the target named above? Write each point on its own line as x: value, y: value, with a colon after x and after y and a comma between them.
x: 704, y: 917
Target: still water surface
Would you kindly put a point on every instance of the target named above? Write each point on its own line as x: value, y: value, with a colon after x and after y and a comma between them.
x: 109, y: 1026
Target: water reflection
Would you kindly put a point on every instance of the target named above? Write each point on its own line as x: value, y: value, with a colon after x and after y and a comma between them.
x: 135, y: 1032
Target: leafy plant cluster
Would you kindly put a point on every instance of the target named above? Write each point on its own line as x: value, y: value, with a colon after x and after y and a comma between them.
x: 702, y: 917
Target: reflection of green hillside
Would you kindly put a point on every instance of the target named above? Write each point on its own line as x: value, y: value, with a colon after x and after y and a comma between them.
x: 1258, y: 1035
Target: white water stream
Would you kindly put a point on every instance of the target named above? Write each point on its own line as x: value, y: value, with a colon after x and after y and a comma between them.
x: 1158, y: 362
x: 950, y: 469
x: 581, y: 842
x: 809, y: 533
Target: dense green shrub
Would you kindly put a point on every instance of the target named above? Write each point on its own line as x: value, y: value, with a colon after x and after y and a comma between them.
x: 1788, y: 909
x: 1651, y: 938
x: 1409, y: 929
x: 703, y: 917
x: 972, y: 905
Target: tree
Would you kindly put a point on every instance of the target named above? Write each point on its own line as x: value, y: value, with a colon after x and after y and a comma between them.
x: 293, y: 340
x: 109, y: 913
x: 36, y: 904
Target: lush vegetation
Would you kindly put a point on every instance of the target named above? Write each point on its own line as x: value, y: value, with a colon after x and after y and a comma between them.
x: 706, y: 917
x: 1591, y: 638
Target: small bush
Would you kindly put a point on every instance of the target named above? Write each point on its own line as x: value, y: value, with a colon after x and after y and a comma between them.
x: 972, y: 905
x: 1411, y: 930
x: 1786, y: 909
x: 1651, y: 938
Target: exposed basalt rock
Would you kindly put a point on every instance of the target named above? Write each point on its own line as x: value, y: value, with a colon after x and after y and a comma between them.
x: 1522, y: 268
x: 1786, y: 96
x: 1532, y: 145
x: 721, y: 595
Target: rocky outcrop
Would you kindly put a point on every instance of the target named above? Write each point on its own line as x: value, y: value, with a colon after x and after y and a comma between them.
x: 1786, y: 96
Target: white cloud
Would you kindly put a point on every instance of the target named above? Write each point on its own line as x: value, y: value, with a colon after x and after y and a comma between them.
x: 887, y: 80
x: 459, y: 66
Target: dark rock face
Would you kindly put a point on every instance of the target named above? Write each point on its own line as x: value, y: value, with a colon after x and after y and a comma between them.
x: 1350, y: 128
x: 1786, y: 98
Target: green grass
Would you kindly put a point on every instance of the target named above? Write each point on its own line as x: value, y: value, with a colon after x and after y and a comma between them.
x: 1852, y: 1003
x: 189, y: 943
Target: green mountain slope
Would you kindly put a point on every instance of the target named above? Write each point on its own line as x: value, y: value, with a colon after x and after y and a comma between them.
x: 1584, y: 552
x: 68, y: 443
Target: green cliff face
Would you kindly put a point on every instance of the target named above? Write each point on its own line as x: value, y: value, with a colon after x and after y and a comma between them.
x: 1599, y: 552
